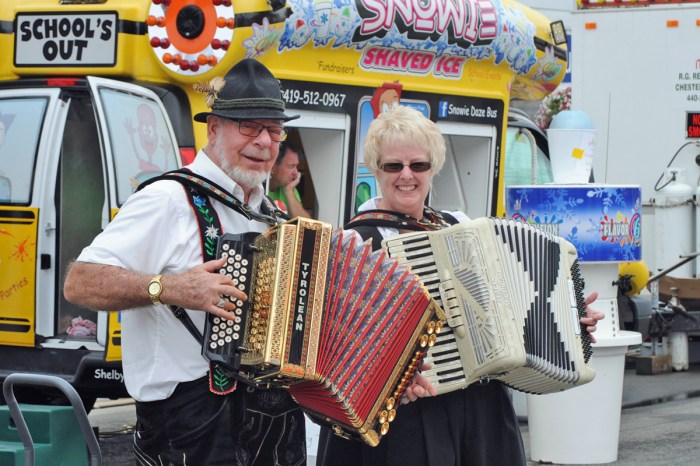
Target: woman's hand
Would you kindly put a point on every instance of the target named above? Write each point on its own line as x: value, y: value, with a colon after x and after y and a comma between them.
x: 420, y: 387
x: 592, y: 316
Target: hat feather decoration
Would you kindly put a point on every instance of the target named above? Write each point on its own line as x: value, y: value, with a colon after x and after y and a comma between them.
x: 211, y: 89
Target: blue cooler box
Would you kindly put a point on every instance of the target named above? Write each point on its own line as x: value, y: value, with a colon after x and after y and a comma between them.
x: 603, y: 222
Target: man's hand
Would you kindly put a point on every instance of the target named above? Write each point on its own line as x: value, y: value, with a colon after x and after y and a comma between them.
x: 294, y: 207
x: 289, y: 187
x: 203, y: 288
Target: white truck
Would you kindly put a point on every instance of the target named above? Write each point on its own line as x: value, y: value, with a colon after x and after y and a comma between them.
x: 635, y: 70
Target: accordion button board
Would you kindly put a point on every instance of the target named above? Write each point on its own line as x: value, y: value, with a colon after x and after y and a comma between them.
x: 223, y: 337
x: 513, y: 297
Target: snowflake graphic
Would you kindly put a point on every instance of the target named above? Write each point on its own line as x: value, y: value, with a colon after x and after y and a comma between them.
x: 264, y: 38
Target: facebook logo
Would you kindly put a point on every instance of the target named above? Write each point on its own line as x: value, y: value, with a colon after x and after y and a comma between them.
x: 442, y: 111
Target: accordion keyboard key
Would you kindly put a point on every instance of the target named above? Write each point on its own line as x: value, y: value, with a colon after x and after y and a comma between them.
x: 422, y: 263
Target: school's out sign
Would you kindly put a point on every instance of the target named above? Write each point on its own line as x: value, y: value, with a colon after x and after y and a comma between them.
x: 83, y: 39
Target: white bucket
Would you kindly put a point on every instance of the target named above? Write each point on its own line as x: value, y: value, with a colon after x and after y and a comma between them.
x: 571, y: 154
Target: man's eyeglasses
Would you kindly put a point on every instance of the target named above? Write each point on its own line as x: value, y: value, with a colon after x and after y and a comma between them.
x: 395, y: 167
x: 253, y: 130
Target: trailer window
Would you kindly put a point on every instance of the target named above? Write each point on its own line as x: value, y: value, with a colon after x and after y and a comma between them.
x: 21, y: 121
x: 140, y: 139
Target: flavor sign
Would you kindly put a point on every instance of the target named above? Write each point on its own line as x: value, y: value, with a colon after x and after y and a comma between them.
x: 603, y: 222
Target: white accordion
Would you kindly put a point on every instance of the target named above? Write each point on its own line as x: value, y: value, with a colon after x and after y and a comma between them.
x: 513, y: 296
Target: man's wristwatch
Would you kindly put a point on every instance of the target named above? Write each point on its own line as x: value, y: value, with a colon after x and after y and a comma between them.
x: 155, y: 288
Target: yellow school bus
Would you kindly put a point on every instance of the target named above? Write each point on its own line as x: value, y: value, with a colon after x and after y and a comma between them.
x: 94, y: 93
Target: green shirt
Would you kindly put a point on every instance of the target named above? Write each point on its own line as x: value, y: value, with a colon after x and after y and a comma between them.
x: 280, y: 198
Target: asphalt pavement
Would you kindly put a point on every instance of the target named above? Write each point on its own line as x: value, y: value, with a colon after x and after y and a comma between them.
x: 659, y: 425
x: 660, y: 420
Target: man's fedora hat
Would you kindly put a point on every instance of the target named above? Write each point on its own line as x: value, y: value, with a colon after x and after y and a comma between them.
x: 249, y: 91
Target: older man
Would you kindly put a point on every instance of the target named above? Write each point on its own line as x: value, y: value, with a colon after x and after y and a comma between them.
x: 151, y: 260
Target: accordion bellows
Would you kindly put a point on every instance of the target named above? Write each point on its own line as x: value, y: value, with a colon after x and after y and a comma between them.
x: 513, y: 296
x: 341, y: 327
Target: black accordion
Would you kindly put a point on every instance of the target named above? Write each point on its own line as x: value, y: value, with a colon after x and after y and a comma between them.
x: 513, y: 297
x: 341, y: 327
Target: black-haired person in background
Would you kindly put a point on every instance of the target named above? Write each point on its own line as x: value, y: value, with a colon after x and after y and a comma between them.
x: 284, y: 179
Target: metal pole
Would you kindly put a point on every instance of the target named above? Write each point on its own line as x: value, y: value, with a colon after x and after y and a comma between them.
x: 684, y: 259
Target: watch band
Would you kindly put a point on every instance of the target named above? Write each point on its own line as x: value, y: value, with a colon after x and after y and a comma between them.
x: 154, y: 294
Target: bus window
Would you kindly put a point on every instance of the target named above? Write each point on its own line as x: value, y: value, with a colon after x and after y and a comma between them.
x: 21, y: 120
x: 461, y: 185
x: 141, y: 142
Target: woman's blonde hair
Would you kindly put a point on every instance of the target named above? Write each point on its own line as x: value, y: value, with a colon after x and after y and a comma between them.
x: 403, y: 125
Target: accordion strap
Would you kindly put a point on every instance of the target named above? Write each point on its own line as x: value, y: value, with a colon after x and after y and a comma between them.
x: 432, y: 220
x: 181, y: 314
x: 367, y: 223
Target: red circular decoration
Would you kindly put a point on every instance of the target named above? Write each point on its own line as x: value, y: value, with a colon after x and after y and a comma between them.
x: 190, y: 45
x: 181, y: 54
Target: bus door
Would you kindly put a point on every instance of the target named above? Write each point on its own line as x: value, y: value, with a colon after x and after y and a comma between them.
x: 466, y: 182
x: 31, y: 121
x: 324, y: 140
x: 137, y: 142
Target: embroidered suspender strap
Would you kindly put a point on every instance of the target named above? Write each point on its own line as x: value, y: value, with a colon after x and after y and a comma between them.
x: 268, y: 212
x: 220, y: 382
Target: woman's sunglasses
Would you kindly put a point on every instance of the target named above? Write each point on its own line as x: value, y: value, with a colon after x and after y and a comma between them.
x: 395, y: 167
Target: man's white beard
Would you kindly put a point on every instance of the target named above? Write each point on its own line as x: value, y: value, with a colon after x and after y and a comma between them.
x: 247, y: 178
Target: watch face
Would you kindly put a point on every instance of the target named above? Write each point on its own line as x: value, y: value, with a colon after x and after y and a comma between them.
x: 154, y: 288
